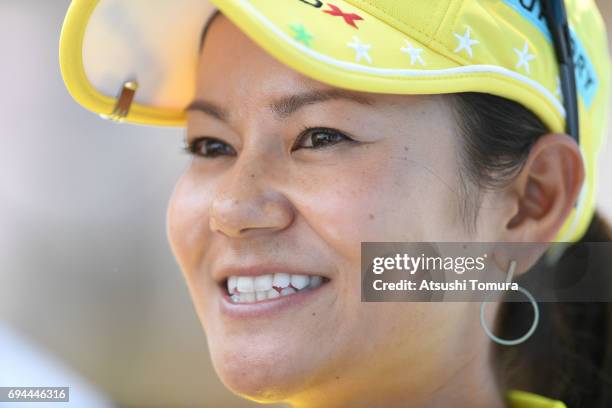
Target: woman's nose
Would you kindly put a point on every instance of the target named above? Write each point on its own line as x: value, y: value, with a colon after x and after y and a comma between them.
x: 246, y: 204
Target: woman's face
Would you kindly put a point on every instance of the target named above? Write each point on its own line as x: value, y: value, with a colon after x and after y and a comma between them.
x: 297, y: 175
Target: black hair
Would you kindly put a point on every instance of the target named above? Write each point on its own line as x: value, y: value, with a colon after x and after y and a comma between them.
x: 569, y: 356
x: 207, y: 25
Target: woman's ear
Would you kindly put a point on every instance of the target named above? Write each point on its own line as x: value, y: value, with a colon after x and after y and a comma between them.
x: 545, y: 190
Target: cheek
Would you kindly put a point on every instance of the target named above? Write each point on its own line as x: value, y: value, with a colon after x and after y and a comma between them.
x: 395, y: 199
x: 187, y: 221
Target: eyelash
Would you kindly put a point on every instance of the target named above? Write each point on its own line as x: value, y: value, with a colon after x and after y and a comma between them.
x: 192, y: 147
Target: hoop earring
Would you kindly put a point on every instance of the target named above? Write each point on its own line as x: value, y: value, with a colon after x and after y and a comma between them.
x: 536, y: 315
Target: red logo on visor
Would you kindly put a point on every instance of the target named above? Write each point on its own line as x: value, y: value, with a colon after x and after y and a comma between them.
x: 349, y: 18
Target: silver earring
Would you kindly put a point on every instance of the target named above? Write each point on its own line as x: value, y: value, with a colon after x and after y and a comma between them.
x: 536, y: 315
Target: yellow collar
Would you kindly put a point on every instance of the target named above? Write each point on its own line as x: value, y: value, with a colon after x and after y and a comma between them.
x: 523, y: 399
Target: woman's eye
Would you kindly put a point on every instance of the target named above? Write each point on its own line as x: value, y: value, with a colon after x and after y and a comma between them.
x: 316, y: 138
x: 209, y: 147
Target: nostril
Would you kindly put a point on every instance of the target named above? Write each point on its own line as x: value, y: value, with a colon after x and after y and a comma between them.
x: 238, y: 214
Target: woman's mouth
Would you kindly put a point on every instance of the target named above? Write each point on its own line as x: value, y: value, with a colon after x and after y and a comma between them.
x: 253, y: 289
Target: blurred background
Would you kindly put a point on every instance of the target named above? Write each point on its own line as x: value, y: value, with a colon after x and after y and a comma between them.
x: 89, y: 292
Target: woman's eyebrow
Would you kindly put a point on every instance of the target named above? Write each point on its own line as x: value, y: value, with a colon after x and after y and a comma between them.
x: 208, y: 108
x: 286, y: 105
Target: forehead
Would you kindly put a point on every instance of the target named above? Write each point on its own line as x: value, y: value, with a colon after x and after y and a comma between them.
x: 222, y: 41
x: 231, y: 65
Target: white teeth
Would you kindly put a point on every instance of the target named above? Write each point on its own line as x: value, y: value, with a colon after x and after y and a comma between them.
x: 273, y: 293
x: 315, y: 281
x: 299, y: 281
x: 250, y: 289
x: 287, y: 291
x: 263, y: 283
x: 245, y: 284
x: 281, y: 280
x: 231, y: 284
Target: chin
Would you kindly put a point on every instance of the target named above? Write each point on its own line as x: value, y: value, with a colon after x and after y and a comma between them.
x: 258, y: 372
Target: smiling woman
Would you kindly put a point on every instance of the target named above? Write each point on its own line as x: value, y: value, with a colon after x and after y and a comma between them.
x: 306, y: 141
